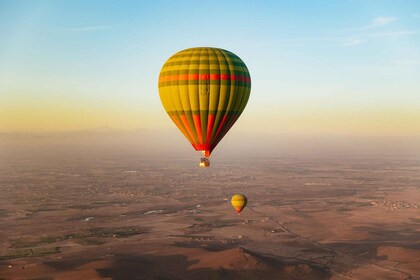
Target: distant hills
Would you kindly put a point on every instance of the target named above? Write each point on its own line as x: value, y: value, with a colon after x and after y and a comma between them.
x: 170, y: 143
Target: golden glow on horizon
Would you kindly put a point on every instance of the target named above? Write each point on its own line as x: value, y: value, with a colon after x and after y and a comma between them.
x: 376, y: 121
x: 37, y: 119
x: 347, y: 121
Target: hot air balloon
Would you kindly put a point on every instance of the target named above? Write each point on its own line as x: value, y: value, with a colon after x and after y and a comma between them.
x: 204, y: 91
x: 239, y: 202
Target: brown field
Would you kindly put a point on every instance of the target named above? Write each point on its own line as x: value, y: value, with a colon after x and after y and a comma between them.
x: 131, y: 218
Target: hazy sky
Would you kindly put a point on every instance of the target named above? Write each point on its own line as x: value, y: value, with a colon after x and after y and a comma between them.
x: 340, y: 67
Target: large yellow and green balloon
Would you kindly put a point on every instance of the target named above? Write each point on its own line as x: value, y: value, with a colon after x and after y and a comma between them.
x: 204, y: 91
x: 239, y: 202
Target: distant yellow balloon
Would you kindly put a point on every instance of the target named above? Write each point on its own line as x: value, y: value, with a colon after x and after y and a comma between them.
x: 239, y: 202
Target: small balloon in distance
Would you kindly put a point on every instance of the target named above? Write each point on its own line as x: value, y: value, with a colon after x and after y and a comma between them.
x: 239, y: 202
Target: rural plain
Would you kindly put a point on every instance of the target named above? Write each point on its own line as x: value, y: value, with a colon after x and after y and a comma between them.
x: 80, y: 217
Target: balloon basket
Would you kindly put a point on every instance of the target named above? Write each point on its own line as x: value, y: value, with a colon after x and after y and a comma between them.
x: 204, y: 162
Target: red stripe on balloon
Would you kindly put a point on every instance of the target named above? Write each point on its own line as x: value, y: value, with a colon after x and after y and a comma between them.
x: 210, y: 124
x: 205, y: 77
x: 197, y: 123
x: 187, y: 126
x: 201, y: 147
x: 221, y: 125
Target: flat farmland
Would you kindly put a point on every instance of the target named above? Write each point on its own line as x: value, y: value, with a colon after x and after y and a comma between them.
x: 125, y: 218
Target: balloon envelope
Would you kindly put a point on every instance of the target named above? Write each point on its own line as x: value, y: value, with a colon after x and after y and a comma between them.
x: 204, y: 91
x: 239, y: 202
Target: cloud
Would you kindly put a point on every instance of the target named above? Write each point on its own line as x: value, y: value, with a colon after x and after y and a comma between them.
x: 88, y: 28
x: 376, y: 22
x: 381, y: 21
x: 395, y: 33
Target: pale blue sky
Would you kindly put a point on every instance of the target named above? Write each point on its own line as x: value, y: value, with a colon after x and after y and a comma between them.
x: 353, y: 54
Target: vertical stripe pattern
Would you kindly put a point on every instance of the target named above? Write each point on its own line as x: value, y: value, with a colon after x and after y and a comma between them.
x: 204, y: 91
